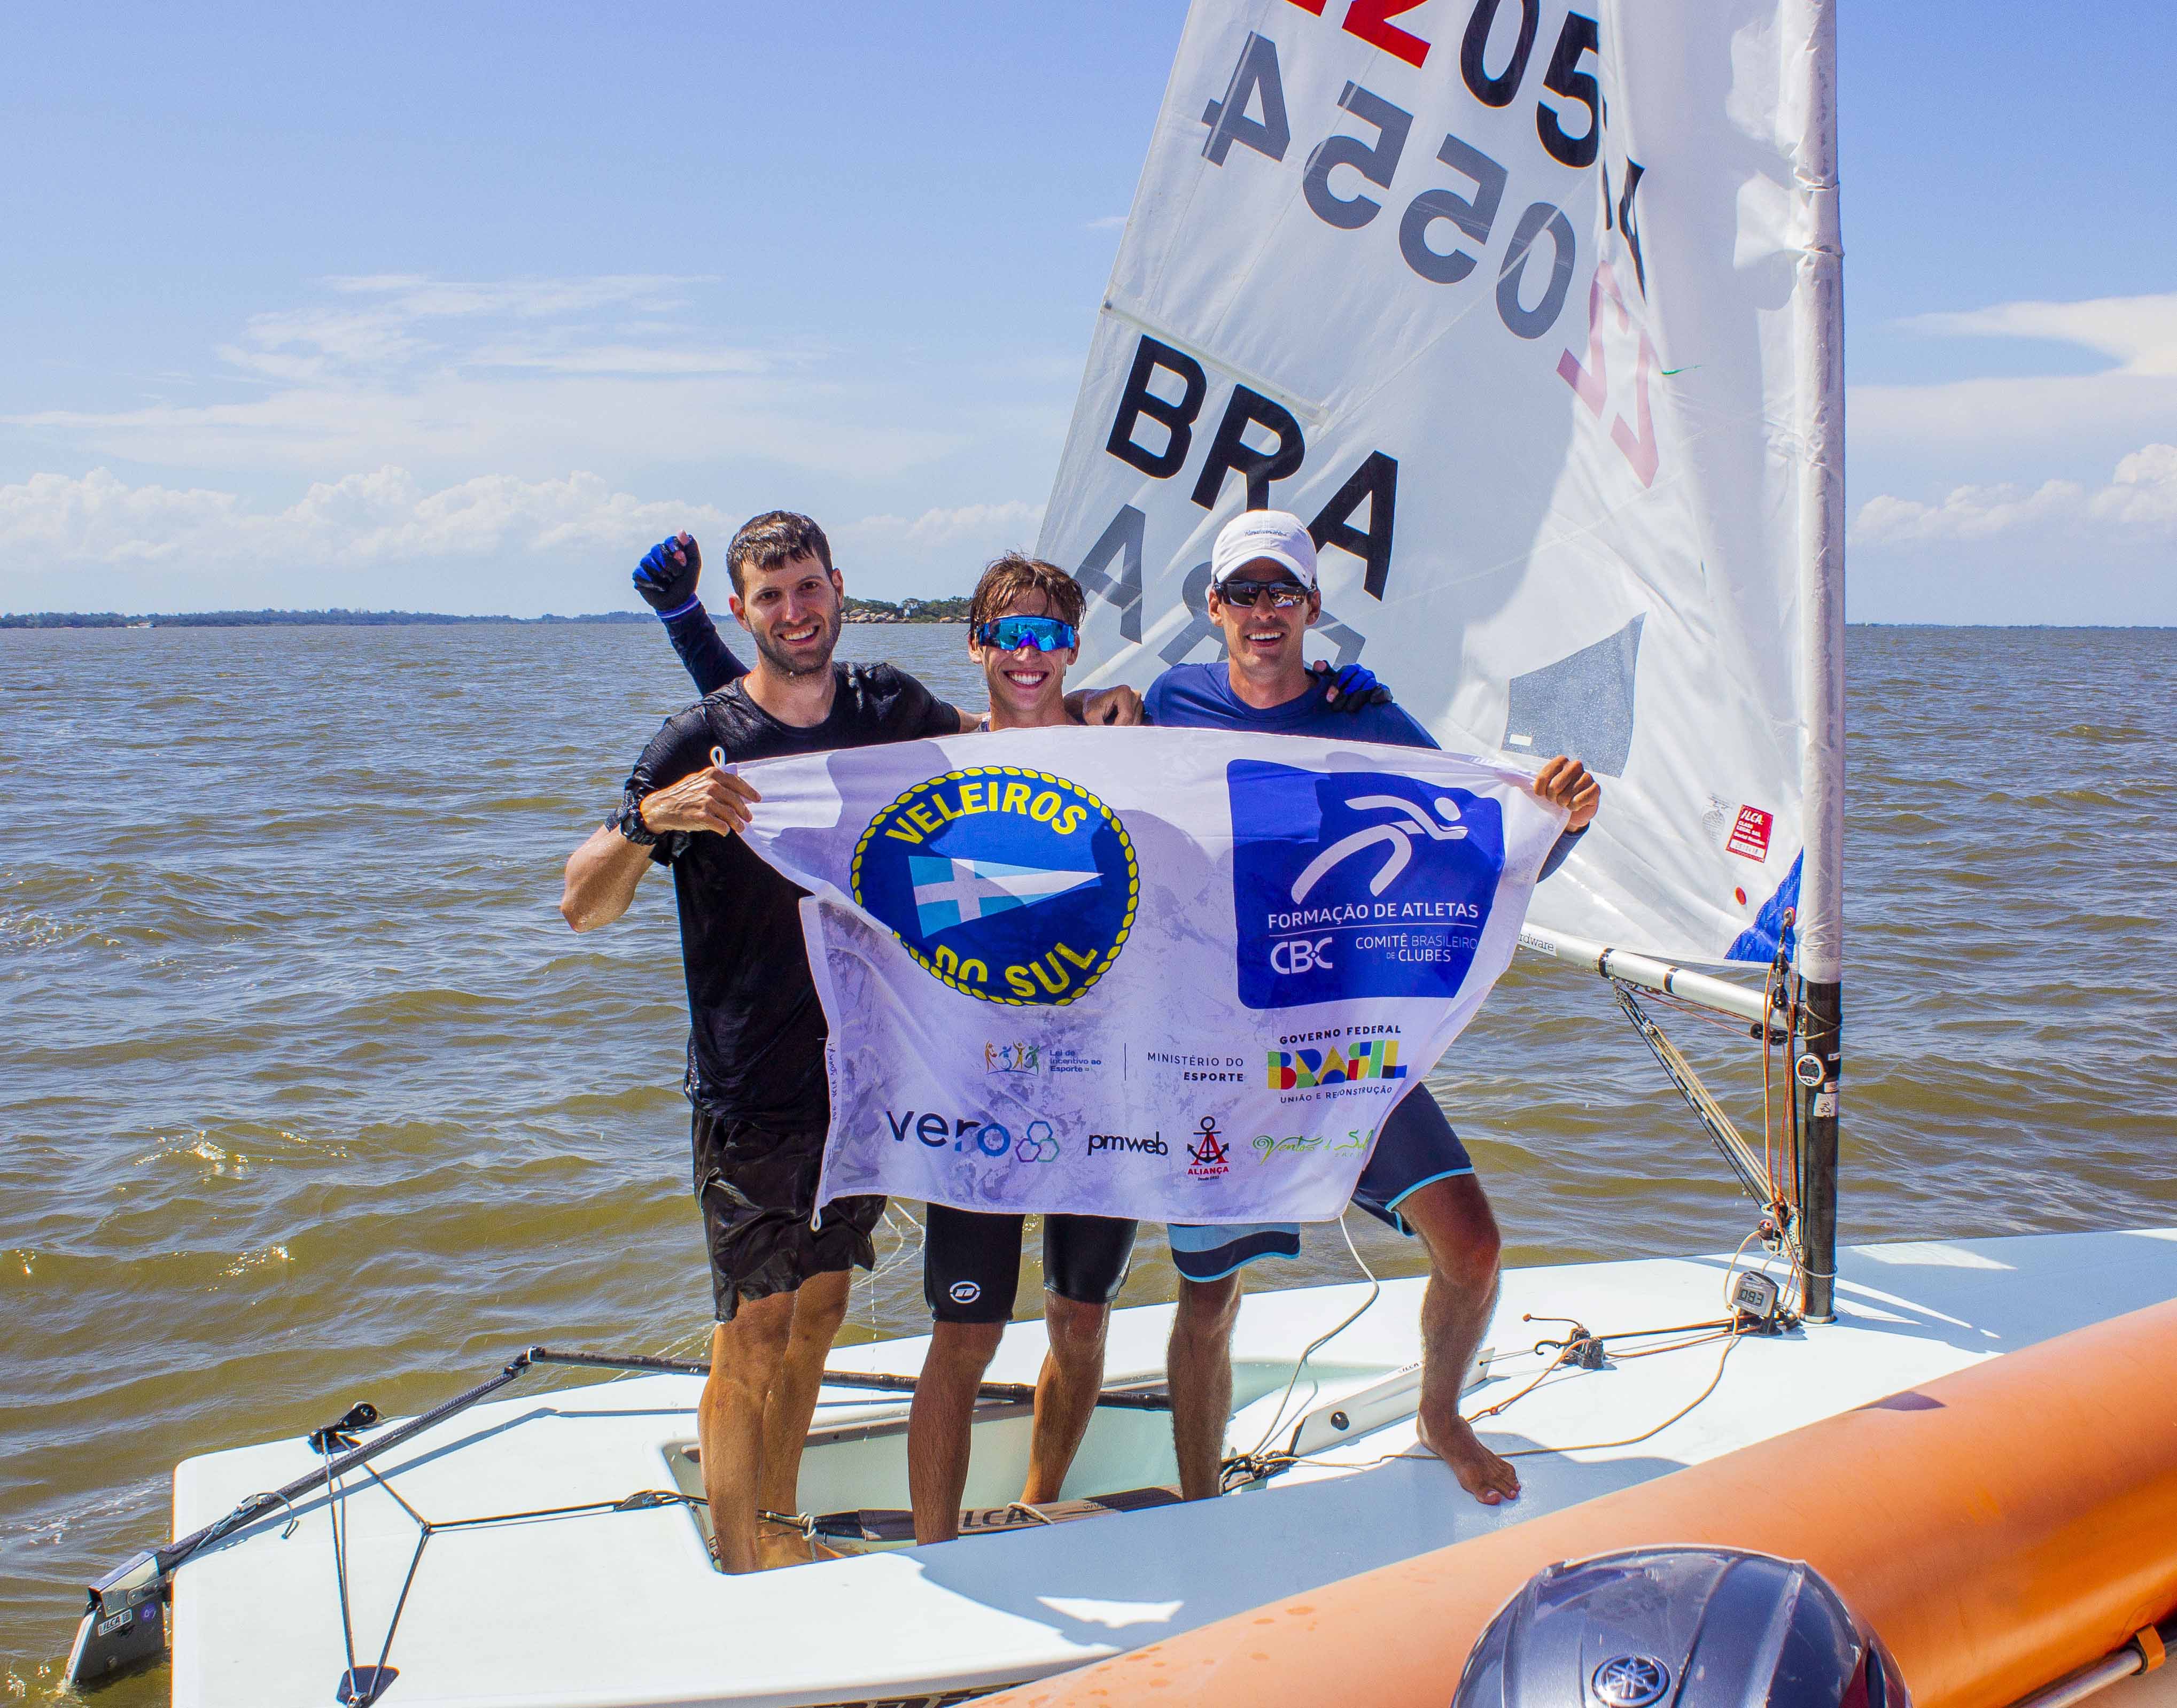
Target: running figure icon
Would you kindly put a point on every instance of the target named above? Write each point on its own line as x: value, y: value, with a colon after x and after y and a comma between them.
x: 1398, y: 837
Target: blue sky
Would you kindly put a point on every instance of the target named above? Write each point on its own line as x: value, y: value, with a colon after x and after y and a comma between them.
x: 457, y: 308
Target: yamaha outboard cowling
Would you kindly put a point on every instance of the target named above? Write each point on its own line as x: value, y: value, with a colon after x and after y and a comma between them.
x: 1678, y: 1628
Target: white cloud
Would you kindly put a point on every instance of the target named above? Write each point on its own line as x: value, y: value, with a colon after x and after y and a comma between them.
x: 2138, y: 502
x: 2138, y: 333
x: 364, y: 520
x: 1109, y: 222
x: 2038, y: 419
x: 971, y: 529
x: 449, y: 376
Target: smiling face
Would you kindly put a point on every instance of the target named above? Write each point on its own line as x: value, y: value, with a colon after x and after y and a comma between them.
x: 1263, y: 643
x: 1027, y: 688
x: 793, y: 612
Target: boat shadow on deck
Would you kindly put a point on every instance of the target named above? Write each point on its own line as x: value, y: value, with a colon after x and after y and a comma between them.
x: 1178, y: 1567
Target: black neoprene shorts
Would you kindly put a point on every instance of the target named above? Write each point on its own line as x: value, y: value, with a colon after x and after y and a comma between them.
x: 758, y: 1190
x: 971, y: 1261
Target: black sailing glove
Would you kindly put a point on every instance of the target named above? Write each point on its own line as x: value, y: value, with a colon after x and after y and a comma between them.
x: 1356, y: 685
x: 667, y: 575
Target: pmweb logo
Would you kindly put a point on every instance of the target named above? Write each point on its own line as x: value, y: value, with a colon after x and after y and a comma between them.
x: 1362, y: 883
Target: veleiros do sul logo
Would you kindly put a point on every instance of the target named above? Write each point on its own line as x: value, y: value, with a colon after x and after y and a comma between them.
x: 1009, y: 885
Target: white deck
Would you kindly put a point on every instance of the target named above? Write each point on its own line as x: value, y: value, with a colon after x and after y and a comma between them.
x: 624, y: 1608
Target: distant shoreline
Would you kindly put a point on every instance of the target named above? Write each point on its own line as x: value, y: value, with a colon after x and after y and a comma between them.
x: 858, y: 611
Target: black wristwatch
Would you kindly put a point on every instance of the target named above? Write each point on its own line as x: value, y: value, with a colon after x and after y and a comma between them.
x: 628, y: 822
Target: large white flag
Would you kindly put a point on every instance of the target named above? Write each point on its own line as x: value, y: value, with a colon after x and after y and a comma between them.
x: 1179, y: 975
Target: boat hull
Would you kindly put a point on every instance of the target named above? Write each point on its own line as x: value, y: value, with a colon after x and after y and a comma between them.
x: 1997, y: 1528
x: 623, y: 1607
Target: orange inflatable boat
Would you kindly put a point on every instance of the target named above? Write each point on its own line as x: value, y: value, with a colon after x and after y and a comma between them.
x: 1997, y: 1528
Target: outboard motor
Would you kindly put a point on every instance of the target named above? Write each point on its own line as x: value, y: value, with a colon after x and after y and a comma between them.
x: 1678, y: 1628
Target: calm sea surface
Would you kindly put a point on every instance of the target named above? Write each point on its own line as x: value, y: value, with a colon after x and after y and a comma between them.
x: 308, y: 1095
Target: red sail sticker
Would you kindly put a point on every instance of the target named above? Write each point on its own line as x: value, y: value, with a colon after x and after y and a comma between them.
x: 1750, y: 835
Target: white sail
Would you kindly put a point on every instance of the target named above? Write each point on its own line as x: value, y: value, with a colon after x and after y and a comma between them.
x: 1529, y: 312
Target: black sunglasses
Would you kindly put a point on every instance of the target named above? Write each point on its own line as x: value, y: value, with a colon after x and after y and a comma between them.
x: 1246, y: 595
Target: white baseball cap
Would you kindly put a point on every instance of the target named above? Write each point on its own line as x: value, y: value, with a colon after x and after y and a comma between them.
x: 1276, y: 534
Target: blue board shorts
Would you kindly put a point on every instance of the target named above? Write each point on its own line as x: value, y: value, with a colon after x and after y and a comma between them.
x: 1416, y: 1146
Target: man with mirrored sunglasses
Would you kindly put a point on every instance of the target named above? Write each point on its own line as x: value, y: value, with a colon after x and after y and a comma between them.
x: 1011, y: 634
x: 1263, y: 598
x: 1023, y: 632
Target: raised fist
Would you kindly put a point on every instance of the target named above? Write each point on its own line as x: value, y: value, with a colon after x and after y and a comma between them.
x: 667, y: 575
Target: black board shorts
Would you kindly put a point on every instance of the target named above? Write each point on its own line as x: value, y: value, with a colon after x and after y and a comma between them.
x: 1414, y: 1148
x: 758, y: 1191
x: 971, y: 1261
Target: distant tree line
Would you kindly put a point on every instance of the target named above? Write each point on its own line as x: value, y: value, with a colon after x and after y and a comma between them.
x: 858, y: 611
x: 954, y: 610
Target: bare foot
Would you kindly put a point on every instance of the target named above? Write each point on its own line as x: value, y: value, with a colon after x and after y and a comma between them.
x: 1482, y: 1474
x: 778, y: 1545
x: 781, y: 1545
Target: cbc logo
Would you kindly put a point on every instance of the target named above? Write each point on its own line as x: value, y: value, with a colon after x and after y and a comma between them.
x: 1300, y: 955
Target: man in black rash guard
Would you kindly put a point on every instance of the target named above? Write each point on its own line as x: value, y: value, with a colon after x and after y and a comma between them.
x: 780, y: 1264
x: 756, y: 1068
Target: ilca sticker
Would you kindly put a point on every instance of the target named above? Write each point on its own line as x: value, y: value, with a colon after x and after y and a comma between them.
x: 1009, y: 885
x: 1357, y: 883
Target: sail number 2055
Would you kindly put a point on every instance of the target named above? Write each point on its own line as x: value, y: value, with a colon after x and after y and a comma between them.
x: 1444, y: 228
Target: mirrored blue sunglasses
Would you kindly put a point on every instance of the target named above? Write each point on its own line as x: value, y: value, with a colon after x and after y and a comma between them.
x: 1045, y: 634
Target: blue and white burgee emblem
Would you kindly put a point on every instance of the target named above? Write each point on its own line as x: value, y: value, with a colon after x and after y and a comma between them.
x: 954, y: 891
x: 1014, y: 886
x: 1164, y: 974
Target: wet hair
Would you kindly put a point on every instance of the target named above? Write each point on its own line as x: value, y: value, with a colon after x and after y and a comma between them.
x: 1006, y: 578
x: 765, y: 542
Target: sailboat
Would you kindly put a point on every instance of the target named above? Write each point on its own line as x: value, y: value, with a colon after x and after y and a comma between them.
x: 1533, y: 314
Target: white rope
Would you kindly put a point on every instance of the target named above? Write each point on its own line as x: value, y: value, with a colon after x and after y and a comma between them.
x: 1375, y: 1292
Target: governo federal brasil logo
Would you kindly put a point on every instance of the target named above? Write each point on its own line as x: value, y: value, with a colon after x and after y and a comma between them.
x: 1010, y: 884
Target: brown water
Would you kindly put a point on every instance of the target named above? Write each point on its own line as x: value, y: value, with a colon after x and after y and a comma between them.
x: 310, y: 1097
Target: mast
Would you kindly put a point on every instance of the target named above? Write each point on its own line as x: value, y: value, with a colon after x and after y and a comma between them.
x: 1820, y: 302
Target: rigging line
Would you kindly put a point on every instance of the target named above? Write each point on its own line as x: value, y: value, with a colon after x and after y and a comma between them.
x: 1768, y: 1158
x: 1793, y: 1020
x: 1243, y: 1468
x: 643, y: 1500
x: 1720, y: 1128
x: 1124, y: 1399
x: 1562, y: 1359
x: 171, y: 1557
x: 1735, y: 1337
x: 400, y: 1606
x: 371, y: 1472
x: 1731, y: 1023
x: 336, y: 1513
x: 1375, y: 1292
x: 1698, y: 1332
x: 354, y: 1693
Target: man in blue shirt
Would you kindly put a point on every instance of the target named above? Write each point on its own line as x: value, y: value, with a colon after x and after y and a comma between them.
x: 1262, y: 595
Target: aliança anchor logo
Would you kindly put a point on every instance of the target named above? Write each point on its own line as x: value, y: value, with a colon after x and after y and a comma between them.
x: 1207, y: 1152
